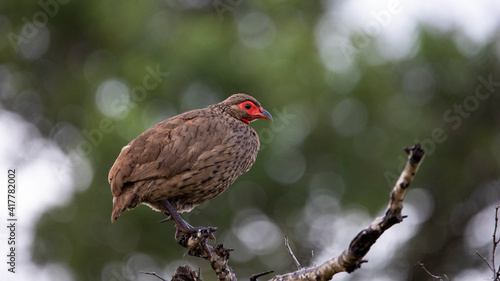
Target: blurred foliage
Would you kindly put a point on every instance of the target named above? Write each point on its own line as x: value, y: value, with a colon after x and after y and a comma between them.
x: 336, y: 135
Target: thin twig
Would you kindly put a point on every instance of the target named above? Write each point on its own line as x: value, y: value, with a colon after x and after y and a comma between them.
x: 430, y: 274
x: 496, y: 274
x: 485, y: 260
x: 491, y: 266
x: 154, y: 274
x: 255, y: 276
x: 291, y: 253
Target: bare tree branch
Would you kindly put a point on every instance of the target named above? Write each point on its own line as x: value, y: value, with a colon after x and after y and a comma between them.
x: 496, y: 275
x: 297, y: 263
x: 218, y: 258
x: 352, y: 258
x: 432, y: 275
x: 496, y: 272
x: 255, y: 276
x: 154, y: 274
x: 184, y: 273
x: 485, y: 261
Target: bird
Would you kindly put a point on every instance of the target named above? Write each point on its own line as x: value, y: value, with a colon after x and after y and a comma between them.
x: 187, y: 159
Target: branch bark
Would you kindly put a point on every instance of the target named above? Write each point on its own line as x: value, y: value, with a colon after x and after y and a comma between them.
x: 348, y: 261
x: 219, y: 256
x: 352, y: 258
x: 496, y: 272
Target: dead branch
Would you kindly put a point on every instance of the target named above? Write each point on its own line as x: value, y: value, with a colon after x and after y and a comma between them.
x: 219, y: 256
x: 432, y: 275
x: 297, y: 263
x: 255, y: 276
x: 154, y: 274
x: 184, y: 273
x: 496, y: 272
x: 352, y: 258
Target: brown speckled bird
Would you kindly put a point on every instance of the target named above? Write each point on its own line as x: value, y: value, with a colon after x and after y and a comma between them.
x: 185, y: 160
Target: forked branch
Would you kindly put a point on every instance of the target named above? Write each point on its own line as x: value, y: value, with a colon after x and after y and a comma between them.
x: 496, y: 272
x: 352, y: 257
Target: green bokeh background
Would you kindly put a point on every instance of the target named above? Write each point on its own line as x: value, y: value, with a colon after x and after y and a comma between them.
x: 332, y: 151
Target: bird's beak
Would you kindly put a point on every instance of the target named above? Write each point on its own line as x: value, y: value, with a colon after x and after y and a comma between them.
x: 266, y: 115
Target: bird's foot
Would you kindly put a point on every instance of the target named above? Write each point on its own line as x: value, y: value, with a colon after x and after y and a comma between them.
x: 188, y: 230
x: 195, y: 237
x: 192, y: 237
x: 195, y: 232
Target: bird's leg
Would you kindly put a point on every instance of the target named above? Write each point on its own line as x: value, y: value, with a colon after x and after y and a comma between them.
x: 185, y: 228
x: 182, y: 225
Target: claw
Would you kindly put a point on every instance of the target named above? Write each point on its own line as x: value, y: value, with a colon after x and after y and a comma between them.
x: 187, y: 230
x: 211, y: 231
x: 206, y: 249
x: 165, y: 220
x: 168, y: 218
x: 176, y: 236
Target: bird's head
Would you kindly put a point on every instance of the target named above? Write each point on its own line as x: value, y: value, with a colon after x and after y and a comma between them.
x: 245, y: 108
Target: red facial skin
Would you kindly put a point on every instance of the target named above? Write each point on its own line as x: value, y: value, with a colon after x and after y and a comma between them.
x: 254, y: 111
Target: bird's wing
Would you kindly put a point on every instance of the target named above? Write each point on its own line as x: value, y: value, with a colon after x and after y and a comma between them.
x: 167, y: 149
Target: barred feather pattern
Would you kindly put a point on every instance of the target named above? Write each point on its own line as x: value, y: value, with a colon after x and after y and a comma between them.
x: 187, y: 159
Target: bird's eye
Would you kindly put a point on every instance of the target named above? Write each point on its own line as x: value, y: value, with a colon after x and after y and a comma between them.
x: 247, y: 106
